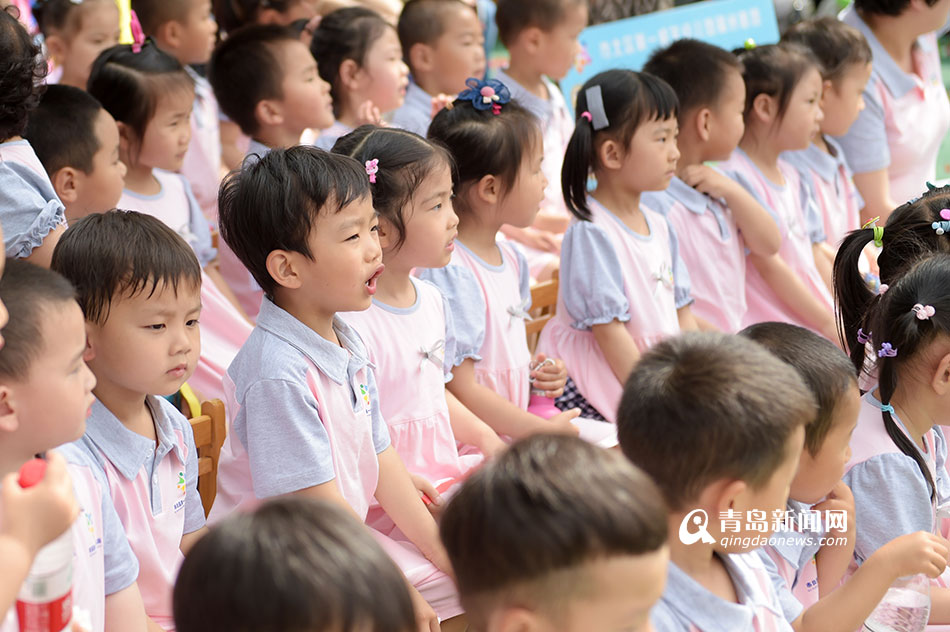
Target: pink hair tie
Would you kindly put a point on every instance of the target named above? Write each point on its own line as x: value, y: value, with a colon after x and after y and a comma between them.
x: 586, y: 115
x: 372, y: 167
x: 138, y: 35
x: 924, y: 312
x: 884, y: 287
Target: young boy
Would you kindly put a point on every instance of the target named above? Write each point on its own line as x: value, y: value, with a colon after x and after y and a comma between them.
x: 845, y: 58
x: 185, y: 29
x: 45, y: 394
x: 139, y: 288
x: 717, y: 422
x: 77, y: 141
x: 541, y: 38
x: 267, y: 82
x: 557, y: 534
x: 807, y: 568
x: 714, y: 218
x: 442, y: 44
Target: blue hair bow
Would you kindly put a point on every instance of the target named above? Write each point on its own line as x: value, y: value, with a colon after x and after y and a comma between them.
x: 486, y: 95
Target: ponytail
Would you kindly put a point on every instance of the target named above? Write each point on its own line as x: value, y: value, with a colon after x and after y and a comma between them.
x: 578, y: 162
x: 852, y: 295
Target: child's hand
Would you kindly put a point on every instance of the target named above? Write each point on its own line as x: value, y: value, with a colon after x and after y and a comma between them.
x: 439, y: 102
x: 919, y: 552
x: 839, y: 499
x: 368, y: 114
x: 707, y: 180
x: 549, y: 377
x: 561, y: 423
x: 426, y: 619
x: 38, y: 515
x: 425, y: 487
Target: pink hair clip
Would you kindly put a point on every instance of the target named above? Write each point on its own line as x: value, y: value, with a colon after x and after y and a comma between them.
x: 372, y: 167
x: 924, y: 312
x: 587, y: 116
x: 884, y: 287
x: 138, y: 35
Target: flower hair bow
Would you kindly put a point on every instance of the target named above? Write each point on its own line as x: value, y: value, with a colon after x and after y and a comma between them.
x: 923, y: 312
x: 943, y: 226
x: 486, y: 95
x: 138, y: 35
x: 372, y: 168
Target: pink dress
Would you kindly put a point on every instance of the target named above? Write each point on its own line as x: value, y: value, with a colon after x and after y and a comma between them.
x: 905, y: 118
x: 786, y: 204
x: 489, y: 306
x: 415, y: 344
x: 712, y: 250
x: 223, y: 329
x: 202, y: 166
x: 609, y: 272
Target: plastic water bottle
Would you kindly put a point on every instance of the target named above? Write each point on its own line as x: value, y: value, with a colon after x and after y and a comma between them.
x: 905, y: 607
x: 45, y: 602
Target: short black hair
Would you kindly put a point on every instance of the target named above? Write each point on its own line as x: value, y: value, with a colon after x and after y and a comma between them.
x: 774, y: 70
x: 483, y: 143
x: 271, y: 203
x: 836, y: 45
x: 22, y: 69
x: 405, y: 160
x: 424, y: 22
x: 246, y: 68
x: 154, y: 13
x: 62, y: 129
x: 295, y: 565
x: 705, y: 406
x: 122, y: 253
x: 885, y: 7
x: 346, y: 33
x: 826, y: 370
x: 695, y: 70
x: 233, y: 14
x: 514, y: 16
x: 27, y: 290
x: 59, y: 15
x: 549, y: 503
x: 129, y: 84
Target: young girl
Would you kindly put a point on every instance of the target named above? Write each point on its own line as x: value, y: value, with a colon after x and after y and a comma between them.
x: 496, y: 145
x: 623, y: 287
x: 408, y: 329
x: 359, y: 55
x: 75, y: 33
x: 897, y: 468
x: 782, y: 113
x: 31, y: 214
x: 150, y: 96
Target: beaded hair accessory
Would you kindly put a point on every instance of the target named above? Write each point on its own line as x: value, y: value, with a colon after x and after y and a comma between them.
x: 486, y: 95
x: 372, y: 168
x: 943, y: 226
x: 923, y: 312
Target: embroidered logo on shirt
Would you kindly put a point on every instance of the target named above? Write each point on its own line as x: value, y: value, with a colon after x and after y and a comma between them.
x: 367, y: 407
x: 664, y: 277
x: 181, y: 483
x: 89, y: 524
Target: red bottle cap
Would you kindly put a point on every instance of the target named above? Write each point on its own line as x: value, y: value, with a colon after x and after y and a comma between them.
x: 32, y: 472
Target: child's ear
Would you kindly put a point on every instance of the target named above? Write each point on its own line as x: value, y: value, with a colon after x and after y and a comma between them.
x: 56, y: 47
x: 488, y: 189
x: 269, y: 112
x: 169, y: 34
x: 515, y: 619
x: 702, y: 120
x: 941, y: 376
x: 281, y: 265
x: 127, y: 139
x: 66, y: 184
x: 9, y: 421
x: 531, y: 39
x: 387, y: 233
x: 725, y: 495
x: 91, y: 336
x: 826, y: 87
x: 350, y: 75
x: 763, y: 107
x: 421, y: 57
x: 610, y: 154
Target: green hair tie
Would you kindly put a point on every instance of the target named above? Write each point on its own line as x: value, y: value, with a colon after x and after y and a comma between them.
x: 878, y: 236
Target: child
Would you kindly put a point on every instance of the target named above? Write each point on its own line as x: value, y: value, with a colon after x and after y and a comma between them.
x: 623, y: 286
x: 498, y: 180
x: 139, y: 287
x: 266, y: 81
x: 30, y: 213
x: 807, y: 569
x: 557, y: 534
x: 185, y: 29
x: 302, y: 221
x: 151, y: 96
x: 408, y: 328
x: 890, y: 156
x: 909, y: 235
x: 77, y: 141
x: 233, y: 14
x: 46, y: 391
x: 541, y: 38
x: 74, y: 34
x: 358, y: 54
x: 716, y: 421
x: 337, y: 579
x: 782, y: 113
x: 442, y: 44
x: 845, y: 59
x: 714, y: 218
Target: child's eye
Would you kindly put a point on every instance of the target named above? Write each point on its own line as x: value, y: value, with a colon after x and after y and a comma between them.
x: 192, y: 323
x: 353, y: 237
x: 156, y: 327
x: 437, y: 207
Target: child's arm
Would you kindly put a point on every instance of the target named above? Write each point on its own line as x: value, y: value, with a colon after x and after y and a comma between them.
x: 124, y: 611
x: 759, y: 231
x: 618, y: 348
x: 42, y: 255
x: 824, y: 260
x: 398, y: 498
x: 469, y: 429
x: 188, y: 540
x: 686, y: 318
x: 790, y: 289
x: 833, y: 561
x: 846, y: 608
x: 503, y: 416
